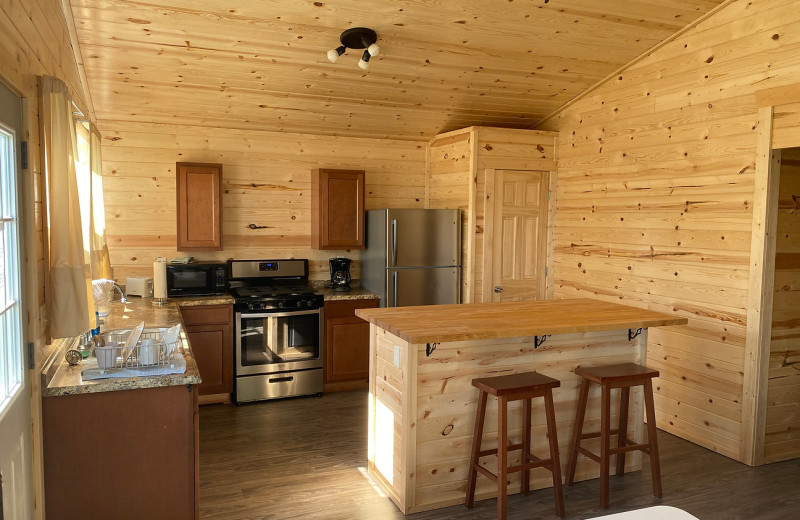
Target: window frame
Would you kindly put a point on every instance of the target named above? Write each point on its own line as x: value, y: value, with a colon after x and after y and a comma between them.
x: 12, y: 333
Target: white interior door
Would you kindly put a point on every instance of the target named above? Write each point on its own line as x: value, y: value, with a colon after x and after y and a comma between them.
x: 515, y: 247
x: 15, y: 398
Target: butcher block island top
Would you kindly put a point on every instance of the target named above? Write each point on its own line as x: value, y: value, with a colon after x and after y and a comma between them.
x: 441, y: 323
x: 422, y: 405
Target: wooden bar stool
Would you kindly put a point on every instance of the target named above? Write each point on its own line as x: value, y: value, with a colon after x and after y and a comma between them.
x: 622, y: 376
x: 513, y: 388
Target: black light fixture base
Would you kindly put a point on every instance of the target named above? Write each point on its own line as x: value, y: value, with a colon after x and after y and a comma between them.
x: 358, y: 38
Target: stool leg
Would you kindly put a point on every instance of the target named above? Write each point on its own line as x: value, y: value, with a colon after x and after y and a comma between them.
x: 605, y: 437
x: 652, y: 438
x: 577, y: 430
x: 476, y: 448
x: 555, y: 462
x: 624, y: 398
x: 502, y: 456
x: 526, y: 445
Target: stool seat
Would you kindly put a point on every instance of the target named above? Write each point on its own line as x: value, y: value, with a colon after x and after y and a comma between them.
x: 622, y: 376
x: 616, y: 373
x: 515, y: 383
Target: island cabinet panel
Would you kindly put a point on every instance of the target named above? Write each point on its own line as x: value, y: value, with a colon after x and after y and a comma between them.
x: 210, y: 332
x: 199, y: 205
x: 337, y: 209
x: 423, y: 408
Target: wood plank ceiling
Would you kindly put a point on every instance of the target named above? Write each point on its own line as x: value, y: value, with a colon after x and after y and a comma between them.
x: 444, y: 64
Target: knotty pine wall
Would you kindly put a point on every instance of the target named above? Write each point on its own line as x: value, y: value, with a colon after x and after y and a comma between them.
x: 35, y: 41
x: 457, y: 164
x: 782, y: 429
x: 655, y: 194
x: 266, y: 186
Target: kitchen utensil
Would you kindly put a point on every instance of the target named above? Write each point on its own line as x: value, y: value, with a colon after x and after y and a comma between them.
x: 98, y: 341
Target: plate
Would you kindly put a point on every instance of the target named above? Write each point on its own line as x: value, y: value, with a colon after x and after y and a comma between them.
x: 133, y: 339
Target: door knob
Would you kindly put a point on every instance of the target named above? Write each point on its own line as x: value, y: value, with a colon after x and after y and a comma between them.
x: 498, y: 289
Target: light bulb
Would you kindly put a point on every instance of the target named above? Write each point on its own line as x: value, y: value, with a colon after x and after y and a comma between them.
x: 363, y: 63
x: 334, y: 54
x: 373, y: 49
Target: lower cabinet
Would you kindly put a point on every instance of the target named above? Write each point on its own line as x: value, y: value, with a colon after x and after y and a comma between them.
x: 122, y: 455
x: 346, y: 345
x: 210, y: 332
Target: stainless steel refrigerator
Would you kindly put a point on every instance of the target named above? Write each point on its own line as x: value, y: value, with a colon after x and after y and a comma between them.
x: 413, y: 256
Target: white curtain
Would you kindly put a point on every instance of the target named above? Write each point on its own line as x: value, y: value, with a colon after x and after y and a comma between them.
x: 100, y: 260
x: 69, y: 279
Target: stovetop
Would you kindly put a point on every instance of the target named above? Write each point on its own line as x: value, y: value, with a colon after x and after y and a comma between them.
x: 281, y: 291
x: 276, y: 298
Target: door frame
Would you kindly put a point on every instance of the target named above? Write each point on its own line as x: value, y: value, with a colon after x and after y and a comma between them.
x: 762, y: 263
x: 31, y: 387
x: 489, y: 230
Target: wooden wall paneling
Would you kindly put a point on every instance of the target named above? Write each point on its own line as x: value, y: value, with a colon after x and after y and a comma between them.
x: 449, y: 175
x: 266, y: 188
x: 656, y: 165
x: 762, y: 273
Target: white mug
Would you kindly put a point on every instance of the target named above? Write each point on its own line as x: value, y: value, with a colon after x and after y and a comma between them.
x: 148, y: 352
x: 106, y: 357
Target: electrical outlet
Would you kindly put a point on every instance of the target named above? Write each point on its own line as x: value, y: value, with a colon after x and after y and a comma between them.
x: 397, y: 356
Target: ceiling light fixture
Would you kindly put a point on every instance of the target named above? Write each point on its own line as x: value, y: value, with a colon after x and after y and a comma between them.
x: 357, y: 38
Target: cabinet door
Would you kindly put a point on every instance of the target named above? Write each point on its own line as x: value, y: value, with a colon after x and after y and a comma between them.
x: 199, y: 205
x: 348, y: 355
x: 212, y: 346
x: 337, y: 211
x: 346, y: 341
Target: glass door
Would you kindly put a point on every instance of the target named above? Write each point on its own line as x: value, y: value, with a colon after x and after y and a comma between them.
x: 271, y: 342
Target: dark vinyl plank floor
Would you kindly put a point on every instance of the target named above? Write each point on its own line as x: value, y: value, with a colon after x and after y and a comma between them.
x: 305, y: 458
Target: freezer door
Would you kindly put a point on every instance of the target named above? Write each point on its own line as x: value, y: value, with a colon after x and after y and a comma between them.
x: 423, y: 237
x: 431, y: 286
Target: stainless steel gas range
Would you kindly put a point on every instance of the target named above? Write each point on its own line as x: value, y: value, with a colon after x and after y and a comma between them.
x: 279, y: 319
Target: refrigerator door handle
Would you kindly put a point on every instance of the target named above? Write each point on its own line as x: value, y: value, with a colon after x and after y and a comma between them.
x: 394, y: 288
x: 394, y: 242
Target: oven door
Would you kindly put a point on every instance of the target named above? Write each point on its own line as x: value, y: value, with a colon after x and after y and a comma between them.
x: 268, y: 342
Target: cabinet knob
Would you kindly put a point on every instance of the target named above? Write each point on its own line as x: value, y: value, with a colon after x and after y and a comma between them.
x: 498, y: 289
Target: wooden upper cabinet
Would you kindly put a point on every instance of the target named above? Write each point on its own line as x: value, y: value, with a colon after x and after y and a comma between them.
x: 337, y: 209
x: 199, y: 190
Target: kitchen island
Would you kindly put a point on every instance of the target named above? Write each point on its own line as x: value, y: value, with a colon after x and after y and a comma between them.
x: 422, y: 405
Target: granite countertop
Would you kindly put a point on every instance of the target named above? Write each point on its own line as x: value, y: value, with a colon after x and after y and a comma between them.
x: 356, y: 293
x: 59, y: 378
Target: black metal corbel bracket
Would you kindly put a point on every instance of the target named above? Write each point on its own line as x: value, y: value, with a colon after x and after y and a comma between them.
x: 429, y: 348
x: 538, y: 340
x: 632, y: 335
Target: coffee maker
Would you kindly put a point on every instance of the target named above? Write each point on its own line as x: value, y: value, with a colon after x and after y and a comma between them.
x: 340, y: 274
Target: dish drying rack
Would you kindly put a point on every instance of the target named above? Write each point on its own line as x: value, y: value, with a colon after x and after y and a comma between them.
x: 137, y: 356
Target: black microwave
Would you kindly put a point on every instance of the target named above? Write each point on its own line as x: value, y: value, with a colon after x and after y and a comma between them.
x: 200, y: 279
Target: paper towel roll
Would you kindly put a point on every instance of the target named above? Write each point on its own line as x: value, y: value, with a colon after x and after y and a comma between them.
x: 160, y: 278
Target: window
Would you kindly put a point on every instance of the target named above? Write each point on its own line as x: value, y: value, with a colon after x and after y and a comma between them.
x: 10, y: 323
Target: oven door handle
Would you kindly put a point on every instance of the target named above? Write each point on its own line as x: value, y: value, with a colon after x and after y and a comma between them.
x: 276, y: 314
